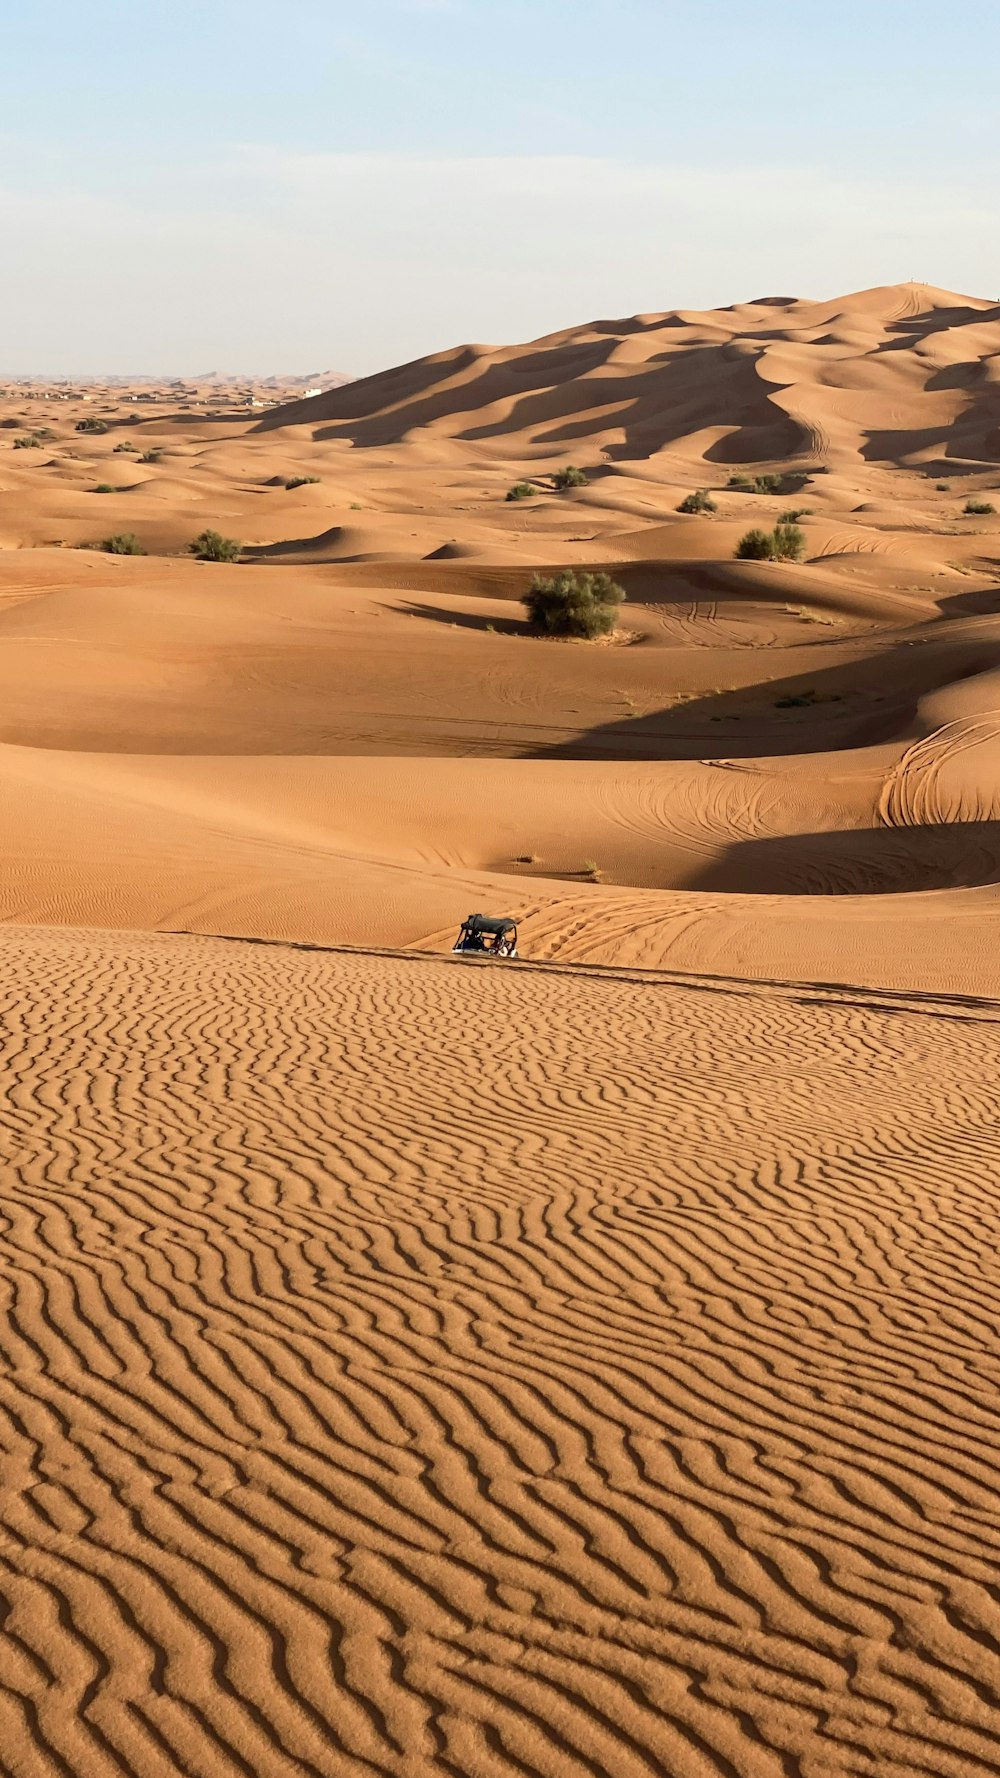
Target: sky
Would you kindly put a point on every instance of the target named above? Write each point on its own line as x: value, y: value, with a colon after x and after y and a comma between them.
x: 264, y: 187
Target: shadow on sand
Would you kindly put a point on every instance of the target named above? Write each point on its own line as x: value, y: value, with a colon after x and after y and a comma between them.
x: 862, y: 861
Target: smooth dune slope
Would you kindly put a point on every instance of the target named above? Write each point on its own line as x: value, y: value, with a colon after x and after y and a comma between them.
x: 781, y: 773
x: 412, y: 1368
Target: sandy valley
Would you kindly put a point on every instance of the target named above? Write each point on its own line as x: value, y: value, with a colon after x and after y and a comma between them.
x: 577, y: 1368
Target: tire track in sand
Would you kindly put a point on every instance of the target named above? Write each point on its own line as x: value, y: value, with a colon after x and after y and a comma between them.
x: 409, y: 1369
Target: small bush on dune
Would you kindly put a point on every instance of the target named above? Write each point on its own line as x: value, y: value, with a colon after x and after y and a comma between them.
x: 29, y: 442
x: 943, y: 487
x: 300, y: 481
x: 123, y: 543
x: 570, y: 477
x: 792, y: 516
x: 979, y: 507
x: 571, y: 604
x: 521, y: 491
x: 756, y: 546
x: 211, y: 546
x: 125, y: 446
x: 789, y: 543
x: 92, y: 424
x: 700, y: 501
x: 105, y: 488
x: 769, y: 483
x: 150, y: 456
x: 786, y: 543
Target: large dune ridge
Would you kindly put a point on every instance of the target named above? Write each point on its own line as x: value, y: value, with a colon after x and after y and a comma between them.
x: 577, y: 1368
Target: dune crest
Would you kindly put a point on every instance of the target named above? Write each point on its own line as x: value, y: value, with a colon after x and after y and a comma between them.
x: 780, y: 379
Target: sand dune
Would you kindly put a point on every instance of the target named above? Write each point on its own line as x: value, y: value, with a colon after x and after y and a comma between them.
x: 372, y: 1404
x: 894, y: 375
x: 584, y: 1367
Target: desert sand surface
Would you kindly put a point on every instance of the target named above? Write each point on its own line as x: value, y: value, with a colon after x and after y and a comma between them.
x: 416, y: 1367
x: 582, y: 1366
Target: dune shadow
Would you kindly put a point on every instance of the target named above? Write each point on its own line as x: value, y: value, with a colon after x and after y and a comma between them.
x: 859, y: 861
x: 467, y: 620
x: 824, y: 710
x: 983, y: 603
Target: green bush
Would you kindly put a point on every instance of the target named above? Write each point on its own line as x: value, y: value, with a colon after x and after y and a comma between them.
x: 92, y: 424
x: 770, y: 483
x: 789, y: 543
x: 300, y: 481
x: 28, y: 442
x: 572, y: 604
x: 211, y: 546
x: 700, y: 501
x: 979, y: 506
x: 106, y: 488
x: 756, y: 546
x: 570, y: 477
x: 786, y: 543
x: 521, y: 491
x: 943, y: 487
x: 792, y: 516
x: 125, y: 446
x: 151, y: 456
x: 123, y: 543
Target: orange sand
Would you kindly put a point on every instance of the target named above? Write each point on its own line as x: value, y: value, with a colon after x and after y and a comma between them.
x: 416, y: 1367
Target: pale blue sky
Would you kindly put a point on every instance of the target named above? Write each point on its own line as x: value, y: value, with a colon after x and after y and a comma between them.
x: 234, y: 185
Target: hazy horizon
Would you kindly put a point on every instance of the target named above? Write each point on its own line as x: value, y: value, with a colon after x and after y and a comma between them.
x: 219, y: 185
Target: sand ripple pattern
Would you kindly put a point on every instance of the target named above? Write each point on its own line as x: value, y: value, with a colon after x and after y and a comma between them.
x: 412, y: 1369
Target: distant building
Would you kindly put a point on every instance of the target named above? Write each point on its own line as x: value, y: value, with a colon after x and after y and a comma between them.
x: 307, y: 392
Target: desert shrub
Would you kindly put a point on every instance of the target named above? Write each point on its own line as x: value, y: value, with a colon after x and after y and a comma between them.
x: 786, y: 543
x: 92, y: 424
x: 569, y: 477
x: 794, y: 513
x: 105, y: 488
x: 789, y: 543
x: 29, y: 441
x: 300, y: 481
x: 151, y: 456
x: 211, y: 546
x: 571, y: 604
x: 769, y: 483
x: 943, y: 487
x: 700, y: 501
x: 979, y: 506
x: 125, y: 446
x: 123, y: 543
x: 521, y: 491
x: 756, y: 546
